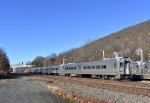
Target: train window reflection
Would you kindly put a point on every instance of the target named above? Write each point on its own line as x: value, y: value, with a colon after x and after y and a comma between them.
x: 121, y: 64
x: 98, y: 67
x: 137, y: 66
x: 115, y: 65
x: 103, y: 66
x: 88, y: 67
x: 146, y: 66
x: 93, y: 67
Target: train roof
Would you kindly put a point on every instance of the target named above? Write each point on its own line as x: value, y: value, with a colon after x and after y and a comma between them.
x: 70, y: 64
x: 137, y: 62
x: 111, y: 59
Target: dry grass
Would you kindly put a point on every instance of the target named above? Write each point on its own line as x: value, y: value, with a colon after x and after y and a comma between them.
x: 2, y: 81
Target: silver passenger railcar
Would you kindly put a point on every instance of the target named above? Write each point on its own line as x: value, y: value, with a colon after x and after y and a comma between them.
x: 47, y: 70
x: 141, y: 68
x: 70, y: 69
x: 109, y: 68
x: 136, y: 69
x: 55, y: 70
x: 146, y: 70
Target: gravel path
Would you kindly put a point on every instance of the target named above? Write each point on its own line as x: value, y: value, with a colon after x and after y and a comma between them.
x: 20, y: 90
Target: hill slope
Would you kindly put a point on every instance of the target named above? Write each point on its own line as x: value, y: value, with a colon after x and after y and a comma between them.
x: 125, y: 41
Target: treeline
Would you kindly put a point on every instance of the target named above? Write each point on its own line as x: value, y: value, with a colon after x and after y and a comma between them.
x: 4, y: 62
x: 125, y: 41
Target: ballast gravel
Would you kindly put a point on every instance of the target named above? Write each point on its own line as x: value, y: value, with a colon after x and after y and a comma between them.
x: 96, y: 93
x: 102, y: 94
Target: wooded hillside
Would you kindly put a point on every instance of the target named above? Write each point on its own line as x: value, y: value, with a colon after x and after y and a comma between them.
x: 125, y: 41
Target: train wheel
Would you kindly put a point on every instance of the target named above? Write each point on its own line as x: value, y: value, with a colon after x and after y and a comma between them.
x: 112, y: 78
x: 79, y: 75
x: 103, y: 77
x: 106, y: 77
x: 98, y: 77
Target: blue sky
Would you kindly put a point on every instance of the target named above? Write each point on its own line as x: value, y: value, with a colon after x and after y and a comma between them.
x: 29, y: 28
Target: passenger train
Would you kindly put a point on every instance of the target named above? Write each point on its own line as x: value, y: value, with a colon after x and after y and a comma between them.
x: 117, y: 68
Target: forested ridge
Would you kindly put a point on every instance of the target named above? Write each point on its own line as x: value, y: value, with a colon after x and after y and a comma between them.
x: 125, y: 41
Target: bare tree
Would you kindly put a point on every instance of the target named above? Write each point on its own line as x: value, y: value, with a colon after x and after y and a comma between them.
x: 4, y: 62
x: 38, y: 61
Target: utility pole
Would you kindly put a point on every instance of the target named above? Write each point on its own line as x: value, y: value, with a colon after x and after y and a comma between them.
x: 44, y: 63
x: 139, y: 52
x: 116, y: 54
x: 64, y: 60
x: 103, y: 53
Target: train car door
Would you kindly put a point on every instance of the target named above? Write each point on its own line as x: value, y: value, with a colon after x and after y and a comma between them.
x: 79, y: 70
x: 146, y: 71
x: 127, y: 67
x: 121, y: 65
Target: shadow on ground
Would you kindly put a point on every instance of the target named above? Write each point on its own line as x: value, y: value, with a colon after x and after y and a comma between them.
x: 14, y: 75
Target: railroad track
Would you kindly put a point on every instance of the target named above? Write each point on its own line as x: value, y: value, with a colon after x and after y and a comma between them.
x: 138, y: 88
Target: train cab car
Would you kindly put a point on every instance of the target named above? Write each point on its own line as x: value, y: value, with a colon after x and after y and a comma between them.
x: 109, y: 68
x: 136, y: 70
x: 146, y: 70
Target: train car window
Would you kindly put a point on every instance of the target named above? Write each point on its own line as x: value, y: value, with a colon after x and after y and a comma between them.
x: 88, y: 67
x: 71, y: 68
x: 93, y: 67
x: 103, y: 66
x: 56, y: 68
x: 79, y: 67
x: 121, y: 64
x: 137, y: 66
x: 74, y: 68
x: 84, y: 67
x: 115, y: 65
x: 98, y: 67
x: 146, y: 66
x: 146, y: 69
